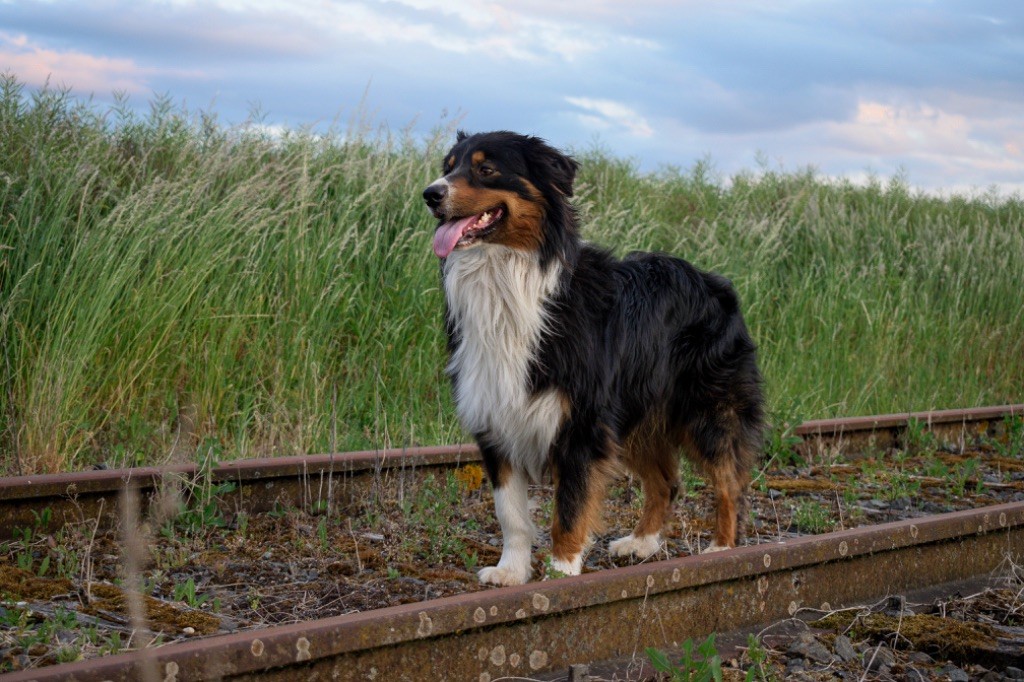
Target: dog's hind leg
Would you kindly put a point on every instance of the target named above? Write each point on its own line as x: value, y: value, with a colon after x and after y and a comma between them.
x: 652, y: 457
x: 510, y: 506
x: 724, y: 448
x: 728, y: 493
x: 730, y: 479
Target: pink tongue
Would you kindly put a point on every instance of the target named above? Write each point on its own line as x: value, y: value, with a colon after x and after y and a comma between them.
x: 449, y: 234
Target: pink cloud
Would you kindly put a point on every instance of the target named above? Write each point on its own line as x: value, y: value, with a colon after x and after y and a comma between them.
x: 35, y: 65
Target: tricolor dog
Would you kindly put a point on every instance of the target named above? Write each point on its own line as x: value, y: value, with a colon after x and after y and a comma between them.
x: 566, y: 358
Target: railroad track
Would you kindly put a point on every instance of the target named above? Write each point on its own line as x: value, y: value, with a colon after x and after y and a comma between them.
x: 542, y: 627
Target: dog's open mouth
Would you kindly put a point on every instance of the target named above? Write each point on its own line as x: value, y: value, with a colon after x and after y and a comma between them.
x: 462, y: 232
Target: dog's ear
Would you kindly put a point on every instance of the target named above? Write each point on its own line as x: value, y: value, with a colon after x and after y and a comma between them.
x: 460, y: 136
x: 566, y: 173
x: 552, y: 166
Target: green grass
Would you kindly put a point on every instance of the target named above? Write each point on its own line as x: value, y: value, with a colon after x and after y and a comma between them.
x: 165, y: 281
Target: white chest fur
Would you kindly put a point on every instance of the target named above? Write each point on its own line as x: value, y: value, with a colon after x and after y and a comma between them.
x: 496, y: 296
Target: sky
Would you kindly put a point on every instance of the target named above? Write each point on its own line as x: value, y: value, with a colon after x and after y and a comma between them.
x: 932, y: 90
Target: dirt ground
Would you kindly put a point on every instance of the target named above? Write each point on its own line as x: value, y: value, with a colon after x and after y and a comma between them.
x: 196, y: 567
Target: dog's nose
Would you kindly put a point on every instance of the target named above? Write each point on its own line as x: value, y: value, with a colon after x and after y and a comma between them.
x: 435, y: 194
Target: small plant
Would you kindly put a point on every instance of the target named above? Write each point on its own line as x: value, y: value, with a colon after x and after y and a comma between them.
x: 1013, y: 446
x: 26, y: 539
x: 255, y: 600
x: 689, y: 480
x: 200, y: 509
x: 186, y: 592
x: 321, y: 533
x: 812, y: 517
x: 434, y: 509
x: 918, y: 437
x: 758, y: 656
x: 695, y: 666
x: 962, y: 474
x: 936, y: 468
x: 901, y: 485
x: 69, y: 563
x: 24, y: 558
x: 469, y: 560
x: 782, y: 442
x: 242, y: 523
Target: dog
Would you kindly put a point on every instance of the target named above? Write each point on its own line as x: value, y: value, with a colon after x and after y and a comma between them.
x: 564, y: 358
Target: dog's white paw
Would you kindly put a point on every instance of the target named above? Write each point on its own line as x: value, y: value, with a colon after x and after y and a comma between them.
x: 561, y: 568
x: 501, y: 575
x: 642, y: 547
x: 715, y: 547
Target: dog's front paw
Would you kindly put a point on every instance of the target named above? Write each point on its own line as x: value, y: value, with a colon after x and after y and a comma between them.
x: 500, y: 575
x: 642, y: 547
x: 715, y: 547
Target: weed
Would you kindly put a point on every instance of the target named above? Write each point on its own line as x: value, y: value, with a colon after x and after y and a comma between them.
x: 200, y: 509
x: 69, y: 561
x: 758, y: 656
x: 689, y: 481
x: 26, y: 539
x: 962, y: 474
x: 901, y: 484
x: 469, y: 560
x: 782, y: 441
x: 321, y: 534
x: 186, y: 592
x: 935, y: 468
x: 695, y: 666
x: 242, y: 523
x: 810, y: 516
x: 1013, y: 445
x: 918, y: 438
x: 434, y: 509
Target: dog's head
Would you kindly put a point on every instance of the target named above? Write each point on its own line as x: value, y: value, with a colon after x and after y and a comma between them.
x: 499, y: 188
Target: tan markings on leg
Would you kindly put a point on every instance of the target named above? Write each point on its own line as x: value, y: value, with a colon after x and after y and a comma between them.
x: 567, y: 544
x: 727, y: 497
x: 651, y: 455
x: 504, y: 471
x: 744, y: 461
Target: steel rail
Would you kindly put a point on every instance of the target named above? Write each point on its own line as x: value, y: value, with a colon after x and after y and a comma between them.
x: 541, y: 627
x: 294, y: 481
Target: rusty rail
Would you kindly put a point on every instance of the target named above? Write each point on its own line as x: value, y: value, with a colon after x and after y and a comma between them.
x: 295, y: 481
x: 540, y: 627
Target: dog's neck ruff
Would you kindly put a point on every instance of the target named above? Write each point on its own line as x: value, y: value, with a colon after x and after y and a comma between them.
x: 498, y: 301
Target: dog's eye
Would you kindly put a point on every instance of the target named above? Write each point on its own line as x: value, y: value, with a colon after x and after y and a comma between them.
x: 484, y: 171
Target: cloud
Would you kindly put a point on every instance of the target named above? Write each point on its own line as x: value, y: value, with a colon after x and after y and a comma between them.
x: 37, y: 65
x: 932, y: 86
x: 961, y: 145
x: 606, y: 114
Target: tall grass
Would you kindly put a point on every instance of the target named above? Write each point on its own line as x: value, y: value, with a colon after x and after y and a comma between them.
x: 165, y: 280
